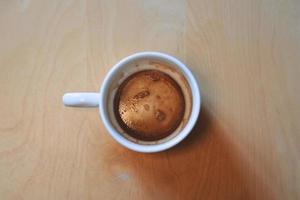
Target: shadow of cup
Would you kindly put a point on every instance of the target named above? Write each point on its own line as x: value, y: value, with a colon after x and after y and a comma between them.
x: 206, y: 165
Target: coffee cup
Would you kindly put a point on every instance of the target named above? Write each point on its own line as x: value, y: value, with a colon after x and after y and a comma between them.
x: 128, y: 66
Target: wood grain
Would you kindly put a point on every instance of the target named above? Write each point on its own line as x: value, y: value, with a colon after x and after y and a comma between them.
x: 245, y: 54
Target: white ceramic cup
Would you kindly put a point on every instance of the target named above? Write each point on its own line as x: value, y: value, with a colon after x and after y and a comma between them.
x: 115, y: 76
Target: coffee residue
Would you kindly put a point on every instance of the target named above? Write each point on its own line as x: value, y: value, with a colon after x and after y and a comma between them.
x: 159, y: 115
x: 141, y: 94
x: 149, y: 105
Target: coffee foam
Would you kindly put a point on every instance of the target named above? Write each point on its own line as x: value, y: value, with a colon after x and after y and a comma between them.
x: 143, y: 65
x: 149, y: 105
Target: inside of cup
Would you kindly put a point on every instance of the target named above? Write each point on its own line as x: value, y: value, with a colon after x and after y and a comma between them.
x: 141, y: 64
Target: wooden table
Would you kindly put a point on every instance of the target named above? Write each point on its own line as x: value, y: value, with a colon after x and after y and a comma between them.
x: 246, y: 54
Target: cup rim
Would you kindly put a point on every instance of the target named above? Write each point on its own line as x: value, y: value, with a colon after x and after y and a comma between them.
x: 196, y: 103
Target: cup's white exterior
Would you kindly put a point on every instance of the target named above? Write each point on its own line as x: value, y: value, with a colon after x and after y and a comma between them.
x: 196, y: 103
x: 94, y: 99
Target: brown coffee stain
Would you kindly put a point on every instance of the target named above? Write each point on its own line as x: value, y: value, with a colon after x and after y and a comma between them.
x: 147, y: 107
x: 141, y: 94
x: 159, y: 115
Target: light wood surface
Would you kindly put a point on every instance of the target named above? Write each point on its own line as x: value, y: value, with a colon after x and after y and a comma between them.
x: 246, y: 54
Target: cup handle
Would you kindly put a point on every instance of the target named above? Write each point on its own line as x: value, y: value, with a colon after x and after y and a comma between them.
x: 81, y: 99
